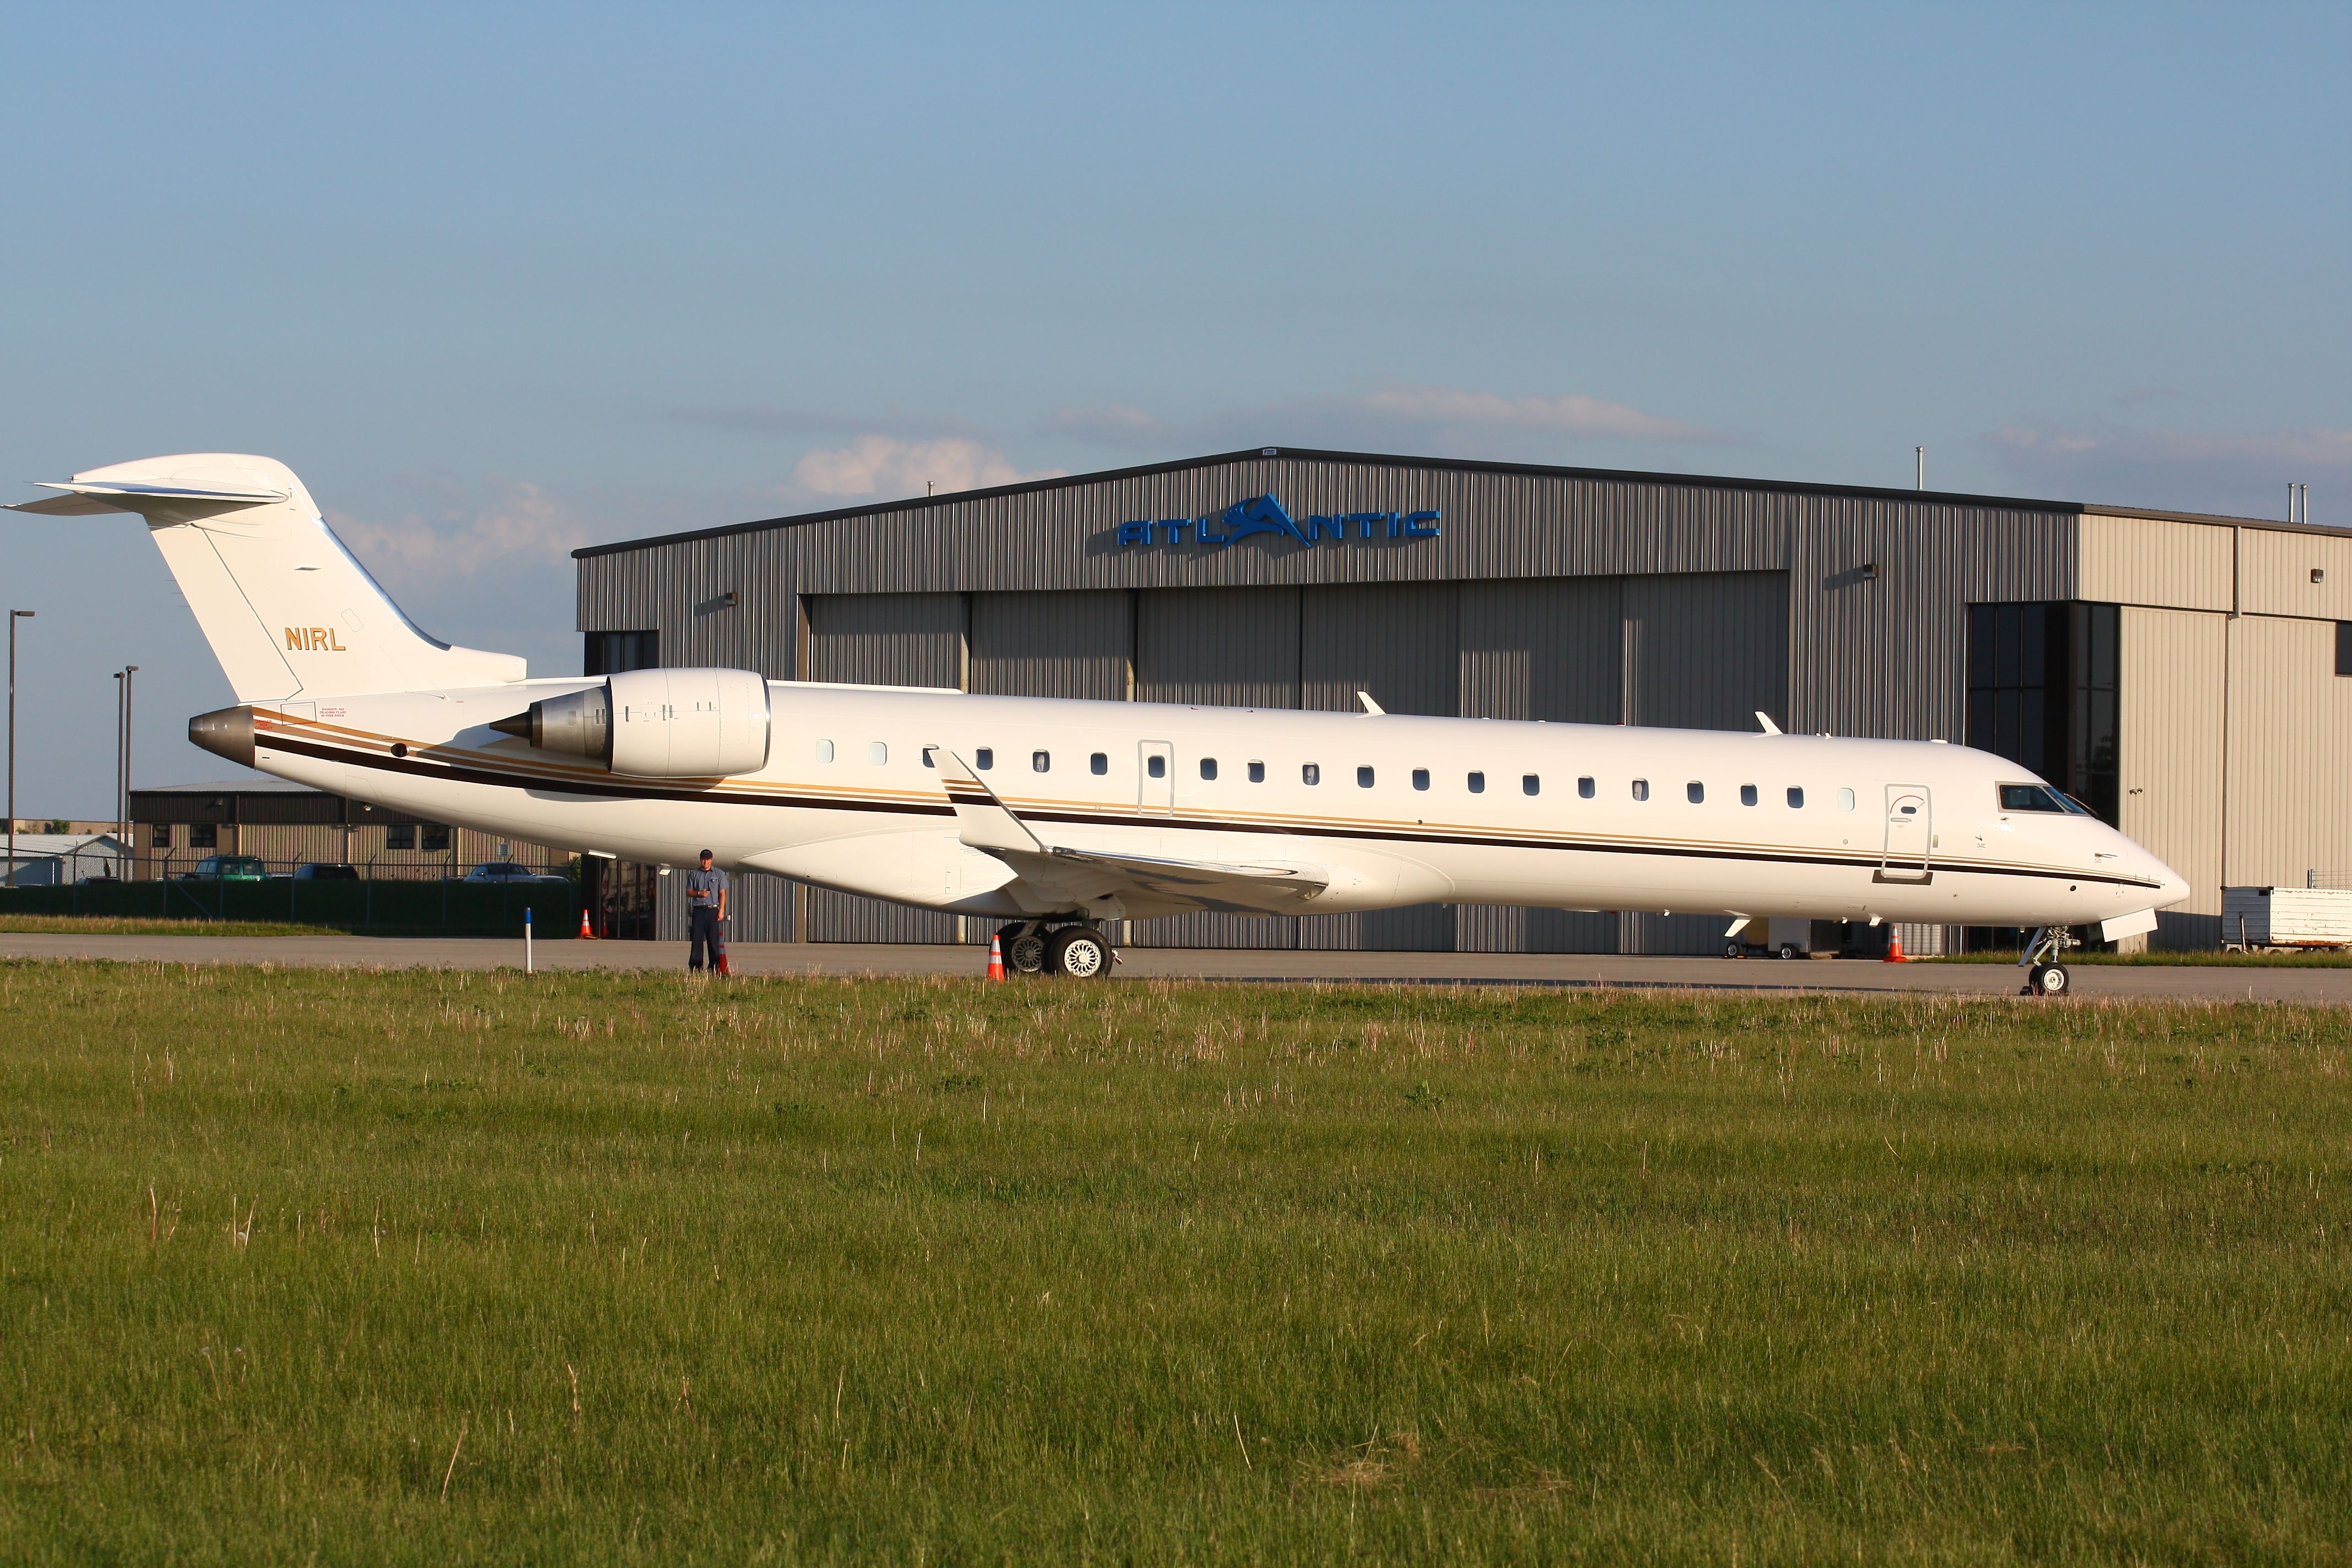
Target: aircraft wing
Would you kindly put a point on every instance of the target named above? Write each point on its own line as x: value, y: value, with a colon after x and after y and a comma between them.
x: 1152, y: 883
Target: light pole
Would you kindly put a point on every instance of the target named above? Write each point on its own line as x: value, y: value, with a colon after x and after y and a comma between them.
x: 122, y: 763
x: 14, y: 616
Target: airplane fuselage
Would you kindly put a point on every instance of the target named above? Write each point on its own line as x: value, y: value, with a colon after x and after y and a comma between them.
x: 1382, y: 810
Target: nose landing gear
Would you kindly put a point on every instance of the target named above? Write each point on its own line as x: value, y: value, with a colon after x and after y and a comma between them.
x: 2044, y: 976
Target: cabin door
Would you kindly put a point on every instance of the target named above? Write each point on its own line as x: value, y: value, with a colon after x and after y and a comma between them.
x: 1910, y: 834
x: 1156, y: 777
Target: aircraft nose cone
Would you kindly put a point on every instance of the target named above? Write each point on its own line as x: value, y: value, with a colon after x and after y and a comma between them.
x: 2173, y: 887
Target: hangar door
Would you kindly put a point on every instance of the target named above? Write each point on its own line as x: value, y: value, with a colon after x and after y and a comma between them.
x: 882, y: 639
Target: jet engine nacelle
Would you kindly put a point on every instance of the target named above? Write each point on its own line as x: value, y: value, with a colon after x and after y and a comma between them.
x: 658, y: 723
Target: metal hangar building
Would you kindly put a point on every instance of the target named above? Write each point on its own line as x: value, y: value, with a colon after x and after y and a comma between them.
x: 2184, y: 675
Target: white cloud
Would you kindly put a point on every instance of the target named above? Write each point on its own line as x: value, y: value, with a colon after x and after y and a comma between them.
x: 890, y: 466
x: 519, y: 524
x: 2243, y: 474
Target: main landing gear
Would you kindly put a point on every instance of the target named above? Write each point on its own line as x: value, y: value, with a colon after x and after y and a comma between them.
x: 2044, y: 976
x: 1064, y: 944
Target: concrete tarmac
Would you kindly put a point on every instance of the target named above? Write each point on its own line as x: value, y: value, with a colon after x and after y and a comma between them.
x: 2186, y: 982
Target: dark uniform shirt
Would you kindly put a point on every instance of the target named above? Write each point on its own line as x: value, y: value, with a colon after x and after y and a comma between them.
x: 703, y: 888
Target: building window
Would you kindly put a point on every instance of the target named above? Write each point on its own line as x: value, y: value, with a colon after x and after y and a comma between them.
x: 400, y: 835
x: 1478, y: 784
x: 1421, y: 778
x: 1530, y: 784
x: 159, y: 835
x: 1208, y: 767
x: 613, y: 653
x: 1099, y: 762
x: 204, y: 836
x: 824, y: 751
x: 2344, y: 647
x: 878, y: 753
x: 1796, y: 799
x: 1310, y: 773
x: 984, y: 758
x: 1042, y: 763
x: 1363, y: 778
x: 1696, y: 792
x: 1257, y: 773
x: 1748, y: 794
x: 1846, y: 800
x: 1585, y: 788
x: 436, y: 838
x: 1641, y: 789
x: 2042, y: 693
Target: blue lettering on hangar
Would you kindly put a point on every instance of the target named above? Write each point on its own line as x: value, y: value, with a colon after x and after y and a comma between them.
x: 1263, y: 514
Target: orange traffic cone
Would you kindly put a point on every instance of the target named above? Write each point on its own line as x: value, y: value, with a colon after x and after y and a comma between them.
x: 1895, y: 947
x: 995, y: 957
x: 585, y: 934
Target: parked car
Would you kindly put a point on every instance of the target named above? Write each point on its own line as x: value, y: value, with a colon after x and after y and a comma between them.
x: 323, y: 871
x: 227, y: 869
x: 509, y: 871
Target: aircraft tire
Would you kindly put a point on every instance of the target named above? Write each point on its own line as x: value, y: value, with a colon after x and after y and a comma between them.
x: 1024, y: 949
x: 2050, y: 980
x: 1079, y: 952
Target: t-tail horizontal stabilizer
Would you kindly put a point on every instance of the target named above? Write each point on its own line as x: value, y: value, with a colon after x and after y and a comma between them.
x: 287, y: 610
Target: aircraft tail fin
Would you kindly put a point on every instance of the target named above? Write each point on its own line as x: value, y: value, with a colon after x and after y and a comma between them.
x: 288, y: 611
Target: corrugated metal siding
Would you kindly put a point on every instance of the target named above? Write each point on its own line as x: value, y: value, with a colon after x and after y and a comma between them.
x: 1053, y: 645
x: 2172, y: 686
x: 2290, y: 753
x: 1510, y: 928
x: 1706, y: 652
x: 886, y: 639
x: 1223, y: 649
x: 2155, y: 561
x: 845, y: 916
x: 1547, y: 648
x: 1395, y: 641
x: 2274, y: 572
x: 1215, y: 931
x: 1885, y: 657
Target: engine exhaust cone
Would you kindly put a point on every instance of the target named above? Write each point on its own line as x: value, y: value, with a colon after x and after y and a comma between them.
x: 520, y: 726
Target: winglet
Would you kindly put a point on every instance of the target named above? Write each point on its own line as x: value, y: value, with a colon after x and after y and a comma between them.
x: 1371, y: 707
x: 982, y: 818
x: 1766, y: 720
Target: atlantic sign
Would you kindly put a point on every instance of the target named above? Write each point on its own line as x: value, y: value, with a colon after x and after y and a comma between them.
x: 1263, y: 514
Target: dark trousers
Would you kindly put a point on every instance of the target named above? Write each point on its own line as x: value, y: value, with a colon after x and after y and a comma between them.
x: 702, y: 936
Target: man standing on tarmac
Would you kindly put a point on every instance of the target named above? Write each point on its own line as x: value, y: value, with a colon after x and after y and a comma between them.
x: 706, y: 903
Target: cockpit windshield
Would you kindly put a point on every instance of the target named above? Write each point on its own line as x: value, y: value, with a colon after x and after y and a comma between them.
x: 2040, y: 797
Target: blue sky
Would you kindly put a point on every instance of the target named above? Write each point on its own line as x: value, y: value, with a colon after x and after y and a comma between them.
x: 497, y: 281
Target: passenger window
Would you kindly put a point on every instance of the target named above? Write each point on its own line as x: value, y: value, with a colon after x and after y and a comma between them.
x: 984, y: 758
x: 824, y: 751
x: 1041, y: 761
x: 877, y: 753
x: 1696, y: 792
x: 1208, y: 767
x: 1156, y: 766
x: 1530, y: 784
x: 1478, y: 784
x: 1796, y: 799
x: 1585, y: 787
x: 1257, y: 773
x: 1099, y: 763
x: 1421, y: 778
x: 1363, y: 778
x: 1641, y: 789
x: 1846, y: 800
x: 1748, y: 794
x: 1310, y: 773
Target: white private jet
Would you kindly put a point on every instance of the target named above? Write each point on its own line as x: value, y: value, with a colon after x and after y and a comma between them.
x: 1058, y: 815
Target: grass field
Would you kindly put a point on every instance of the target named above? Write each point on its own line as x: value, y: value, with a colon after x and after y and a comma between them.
x: 131, y: 925
x: 447, y: 1268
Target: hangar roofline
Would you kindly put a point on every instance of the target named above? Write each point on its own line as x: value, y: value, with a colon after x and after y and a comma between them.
x: 1382, y: 459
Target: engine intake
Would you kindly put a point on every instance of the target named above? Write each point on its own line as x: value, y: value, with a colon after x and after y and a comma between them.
x: 657, y: 723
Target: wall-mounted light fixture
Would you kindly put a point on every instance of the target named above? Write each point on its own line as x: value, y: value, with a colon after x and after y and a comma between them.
x: 1868, y: 571
x: 2319, y: 574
